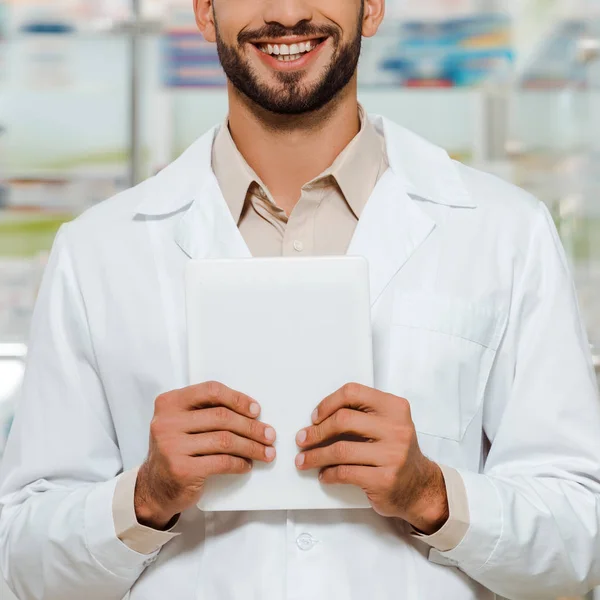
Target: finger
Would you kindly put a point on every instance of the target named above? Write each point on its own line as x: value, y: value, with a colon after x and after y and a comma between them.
x: 345, y: 421
x: 221, y: 464
x: 225, y: 442
x: 352, y: 395
x: 363, y: 477
x: 224, y: 419
x: 341, y: 453
x: 212, y: 393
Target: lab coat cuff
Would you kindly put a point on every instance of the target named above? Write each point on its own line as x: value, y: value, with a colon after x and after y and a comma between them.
x: 101, y: 538
x: 478, y: 545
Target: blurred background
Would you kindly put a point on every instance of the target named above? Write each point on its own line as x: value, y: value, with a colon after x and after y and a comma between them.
x: 96, y: 95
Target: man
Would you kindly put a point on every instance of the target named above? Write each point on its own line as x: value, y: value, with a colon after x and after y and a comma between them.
x: 482, y: 440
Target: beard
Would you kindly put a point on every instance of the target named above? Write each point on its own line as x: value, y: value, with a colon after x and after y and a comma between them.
x: 292, y: 96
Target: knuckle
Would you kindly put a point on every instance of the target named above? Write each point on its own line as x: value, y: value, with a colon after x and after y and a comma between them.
x: 404, y: 406
x: 214, y: 390
x: 343, y: 472
x: 221, y: 415
x: 161, y: 402
x: 315, y: 434
x: 351, y: 391
x: 225, y: 440
x: 257, y: 450
x: 156, y: 427
x: 340, y: 450
x: 237, y: 402
x: 224, y: 463
x: 256, y: 429
x: 342, y: 418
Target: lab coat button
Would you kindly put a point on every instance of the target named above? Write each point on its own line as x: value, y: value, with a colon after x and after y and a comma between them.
x: 298, y: 246
x: 306, y: 542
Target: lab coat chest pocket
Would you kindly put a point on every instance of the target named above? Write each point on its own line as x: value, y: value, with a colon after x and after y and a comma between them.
x: 442, y: 351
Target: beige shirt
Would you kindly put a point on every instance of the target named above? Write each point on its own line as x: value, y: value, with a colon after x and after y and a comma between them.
x: 325, y: 217
x: 322, y: 223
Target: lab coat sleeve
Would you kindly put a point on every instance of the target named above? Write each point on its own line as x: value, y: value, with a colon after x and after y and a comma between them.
x: 57, y: 535
x: 534, y: 527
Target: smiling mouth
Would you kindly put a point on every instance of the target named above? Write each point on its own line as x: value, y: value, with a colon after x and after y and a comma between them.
x: 289, y: 52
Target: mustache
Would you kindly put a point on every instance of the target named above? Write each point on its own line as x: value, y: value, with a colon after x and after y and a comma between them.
x: 276, y: 30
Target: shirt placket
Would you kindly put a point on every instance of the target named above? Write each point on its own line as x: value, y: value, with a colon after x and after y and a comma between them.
x: 299, y: 235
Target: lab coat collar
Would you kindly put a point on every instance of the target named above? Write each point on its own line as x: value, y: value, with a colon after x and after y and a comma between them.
x: 425, y: 170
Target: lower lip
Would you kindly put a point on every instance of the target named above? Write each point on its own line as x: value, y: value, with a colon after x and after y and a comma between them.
x: 291, y: 65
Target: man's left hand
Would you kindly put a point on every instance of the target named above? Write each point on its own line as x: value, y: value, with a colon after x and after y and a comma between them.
x: 365, y: 437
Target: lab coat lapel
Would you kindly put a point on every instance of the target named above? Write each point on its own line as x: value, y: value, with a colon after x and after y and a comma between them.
x: 207, y: 229
x: 390, y: 229
x: 188, y: 190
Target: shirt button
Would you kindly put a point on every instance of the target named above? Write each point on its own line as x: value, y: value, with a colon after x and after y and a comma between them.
x: 306, y: 542
x: 298, y: 246
x: 149, y: 561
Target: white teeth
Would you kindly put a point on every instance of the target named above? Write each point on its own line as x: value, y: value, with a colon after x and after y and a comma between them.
x: 294, y: 50
x: 289, y: 57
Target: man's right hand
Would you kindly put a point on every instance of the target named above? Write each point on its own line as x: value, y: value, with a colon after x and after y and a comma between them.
x: 196, y: 432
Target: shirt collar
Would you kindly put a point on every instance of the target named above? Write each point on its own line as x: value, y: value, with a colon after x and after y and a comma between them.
x: 233, y: 173
x: 426, y: 171
x: 355, y: 170
x: 359, y: 165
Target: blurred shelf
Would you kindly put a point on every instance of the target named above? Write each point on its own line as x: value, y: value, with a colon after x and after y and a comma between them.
x: 94, y: 29
x: 533, y: 27
x: 559, y: 40
x: 65, y: 174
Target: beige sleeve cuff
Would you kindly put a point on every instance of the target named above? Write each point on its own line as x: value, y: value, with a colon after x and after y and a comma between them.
x: 137, y: 537
x: 455, y: 528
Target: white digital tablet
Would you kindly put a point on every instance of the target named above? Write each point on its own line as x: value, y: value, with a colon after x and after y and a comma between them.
x: 287, y: 332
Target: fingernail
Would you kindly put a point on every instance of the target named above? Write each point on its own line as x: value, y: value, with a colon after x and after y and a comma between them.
x: 270, y: 433
x: 320, y: 475
x: 254, y: 409
x: 315, y: 415
x: 270, y: 453
x: 301, y: 436
x: 300, y: 460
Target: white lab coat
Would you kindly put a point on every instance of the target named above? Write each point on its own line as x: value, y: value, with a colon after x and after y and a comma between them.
x: 475, y: 321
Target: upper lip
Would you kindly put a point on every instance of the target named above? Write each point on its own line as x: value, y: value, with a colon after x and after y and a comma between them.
x: 292, y: 39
